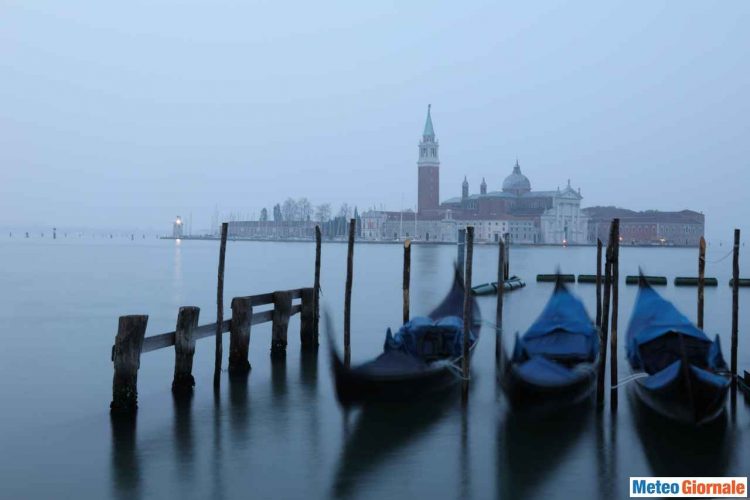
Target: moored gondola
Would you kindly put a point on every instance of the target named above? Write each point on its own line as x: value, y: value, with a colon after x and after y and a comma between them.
x: 554, y: 364
x: 679, y: 372
x: 422, y: 357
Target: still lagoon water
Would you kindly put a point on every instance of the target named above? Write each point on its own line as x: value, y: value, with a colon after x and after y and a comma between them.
x: 281, y: 434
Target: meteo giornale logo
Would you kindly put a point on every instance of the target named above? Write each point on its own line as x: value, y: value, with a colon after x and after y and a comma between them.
x: 687, y: 487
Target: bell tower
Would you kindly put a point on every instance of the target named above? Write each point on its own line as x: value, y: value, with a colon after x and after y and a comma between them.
x: 428, y: 166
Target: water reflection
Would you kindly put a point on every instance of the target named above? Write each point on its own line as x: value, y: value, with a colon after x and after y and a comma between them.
x: 183, y: 430
x: 239, y: 405
x: 125, y: 463
x: 678, y: 450
x: 530, y: 447
x: 381, y: 429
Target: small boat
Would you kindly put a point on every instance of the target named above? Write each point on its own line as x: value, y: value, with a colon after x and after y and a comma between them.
x: 509, y: 284
x: 679, y: 372
x: 554, y: 364
x: 424, y: 356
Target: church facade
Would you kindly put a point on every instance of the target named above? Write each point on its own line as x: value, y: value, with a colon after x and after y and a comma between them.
x: 532, y: 217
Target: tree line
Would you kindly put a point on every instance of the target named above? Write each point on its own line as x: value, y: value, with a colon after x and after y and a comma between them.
x: 331, y: 226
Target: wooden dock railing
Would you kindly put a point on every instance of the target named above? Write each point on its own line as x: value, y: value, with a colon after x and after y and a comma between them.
x: 131, y: 340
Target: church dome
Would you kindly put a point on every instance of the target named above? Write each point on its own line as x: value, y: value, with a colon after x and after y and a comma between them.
x: 517, y: 182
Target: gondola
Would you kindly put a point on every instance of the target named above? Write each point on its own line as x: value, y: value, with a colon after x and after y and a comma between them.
x: 554, y: 364
x: 422, y: 357
x: 679, y: 372
x: 512, y: 283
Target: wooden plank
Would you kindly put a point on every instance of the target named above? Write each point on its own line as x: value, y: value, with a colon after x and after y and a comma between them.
x: 160, y: 341
x: 167, y: 339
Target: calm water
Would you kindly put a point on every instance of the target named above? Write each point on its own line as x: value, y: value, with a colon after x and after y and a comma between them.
x: 282, y: 434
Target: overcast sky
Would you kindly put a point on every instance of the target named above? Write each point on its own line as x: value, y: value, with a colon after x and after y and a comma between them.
x: 128, y: 113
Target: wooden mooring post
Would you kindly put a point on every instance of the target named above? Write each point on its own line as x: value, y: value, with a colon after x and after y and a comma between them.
x: 348, y: 294
x: 307, y: 337
x: 465, y: 359
x: 316, y: 288
x: 613, y: 331
x: 282, y: 309
x: 126, y: 356
x: 461, y: 259
x: 604, y: 324
x: 239, y: 335
x: 184, y: 349
x: 507, y: 256
x: 407, y: 278
x: 220, y: 304
x: 499, y: 352
x: 701, y: 278
x: 735, y: 304
x: 598, y: 286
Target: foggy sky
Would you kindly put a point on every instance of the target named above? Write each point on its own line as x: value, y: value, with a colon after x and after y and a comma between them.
x: 127, y: 114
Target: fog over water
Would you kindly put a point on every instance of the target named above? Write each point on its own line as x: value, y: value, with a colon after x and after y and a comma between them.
x: 126, y: 115
x: 281, y: 433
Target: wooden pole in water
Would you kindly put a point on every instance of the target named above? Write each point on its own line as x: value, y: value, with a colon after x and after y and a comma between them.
x: 220, y: 304
x: 735, y: 302
x: 407, y: 276
x: 507, y: 255
x: 701, y: 278
x: 499, y: 308
x: 461, y: 254
x: 348, y: 294
x: 600, y: 373
x: 316, y: 288
x: 184, y: 349
x: 467, y: 300
x: 599, y: 285
x: 615, y: 279
x: 126, y: 357
x: 604, y: 324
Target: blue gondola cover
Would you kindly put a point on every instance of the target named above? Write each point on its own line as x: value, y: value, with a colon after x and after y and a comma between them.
x: 654, y: 317
x: 421, y: 335
x: 562, y: 332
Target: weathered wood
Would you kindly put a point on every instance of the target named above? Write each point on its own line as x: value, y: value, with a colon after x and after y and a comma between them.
x: 507, y: 255
x: 184, y: 349
x: 316, y: 286
x: 407, y: 276
x: 126, y: 356
x: 465, y: 359
x: 307, y: 336
x: 613, y: 329
x: 239, y: 335
x: 348, y: 294
x: 220, y: 304
x: 600, y: 378
x: 499, y: 353
x: 282, y: 309
x: 598, y: 284
x: 701, y: 279
x: 605, y: 321
x: 461, y: 258
x: 735, y: 303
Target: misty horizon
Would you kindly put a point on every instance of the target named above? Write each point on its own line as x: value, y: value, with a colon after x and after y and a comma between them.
x: 126, y: 116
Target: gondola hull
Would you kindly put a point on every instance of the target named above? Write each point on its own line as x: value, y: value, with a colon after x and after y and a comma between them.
x: 398, y: 375
x: 686, y: 398
x: 527, y: 395
x: 354, y: 387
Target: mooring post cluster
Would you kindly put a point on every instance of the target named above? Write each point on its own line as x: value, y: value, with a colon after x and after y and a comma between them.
x: 131, y: 341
